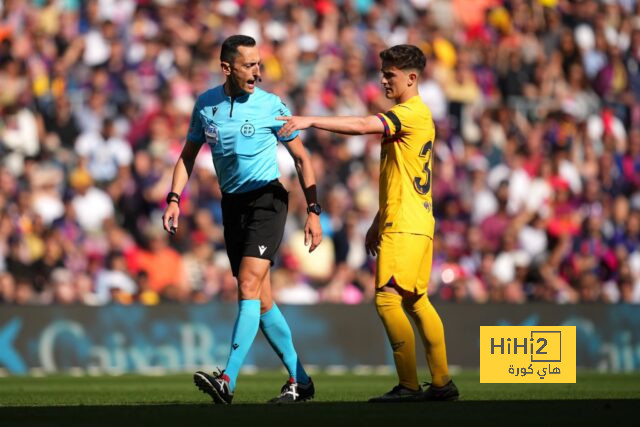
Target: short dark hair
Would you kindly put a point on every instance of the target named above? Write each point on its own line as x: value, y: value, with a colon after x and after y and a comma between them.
x: 404, y: 56
x: 230, y: 47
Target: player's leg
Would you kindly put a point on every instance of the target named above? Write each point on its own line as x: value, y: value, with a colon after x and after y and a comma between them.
x: 430, y: 327
x: 431, y: 331
x: 276, y: 329
x: 388, y: 301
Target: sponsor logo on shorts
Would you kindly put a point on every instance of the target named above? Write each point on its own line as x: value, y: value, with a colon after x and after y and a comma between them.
x: 262, y: 249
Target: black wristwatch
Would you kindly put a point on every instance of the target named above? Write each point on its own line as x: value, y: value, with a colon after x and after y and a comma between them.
x: 173, y: 197
x: 314, y: 208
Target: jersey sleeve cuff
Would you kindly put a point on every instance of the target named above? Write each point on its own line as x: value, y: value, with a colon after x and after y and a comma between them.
x: 290, y: 137
x: 387, y: 131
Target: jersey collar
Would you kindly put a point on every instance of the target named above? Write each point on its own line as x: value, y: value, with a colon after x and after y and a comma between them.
x: 228, y: 98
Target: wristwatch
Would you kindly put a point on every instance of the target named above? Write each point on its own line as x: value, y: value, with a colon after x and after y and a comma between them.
x: 173, y: 197
x: 314, y: 208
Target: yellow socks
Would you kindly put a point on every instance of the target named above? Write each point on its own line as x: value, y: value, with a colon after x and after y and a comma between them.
x: 401, y: 337
x: 432, y: 334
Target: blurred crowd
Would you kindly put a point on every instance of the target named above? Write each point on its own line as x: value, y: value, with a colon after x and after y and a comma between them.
x: 536, y: 167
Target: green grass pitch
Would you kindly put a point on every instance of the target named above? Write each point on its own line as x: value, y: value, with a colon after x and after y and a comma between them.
x: 173, y: 400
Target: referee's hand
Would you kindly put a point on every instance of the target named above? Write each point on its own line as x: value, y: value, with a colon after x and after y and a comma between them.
x: 312, y: 232
x: 170, y: 218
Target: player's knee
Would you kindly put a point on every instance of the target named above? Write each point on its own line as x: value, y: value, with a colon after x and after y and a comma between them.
x: 416, y: 303
x: 387, y: 300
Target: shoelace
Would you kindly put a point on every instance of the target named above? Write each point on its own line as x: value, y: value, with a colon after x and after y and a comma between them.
x: 284, y: 388
x: 219, y: 374
x: 428, y: 384
x: 399, y: 387
x: 289, y: 388
x: 293, y: 390
x: 396, y: 389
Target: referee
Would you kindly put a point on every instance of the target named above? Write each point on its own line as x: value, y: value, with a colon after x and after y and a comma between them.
x: 238, y: 122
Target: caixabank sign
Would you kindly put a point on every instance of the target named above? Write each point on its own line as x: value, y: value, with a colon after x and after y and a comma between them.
x: 116, y: 339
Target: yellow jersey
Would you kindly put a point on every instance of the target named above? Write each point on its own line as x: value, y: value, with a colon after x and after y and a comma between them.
x: 405, y: 169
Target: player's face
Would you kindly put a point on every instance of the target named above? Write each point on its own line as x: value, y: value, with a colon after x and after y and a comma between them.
x: 245, y: 71
x: 395, y: 81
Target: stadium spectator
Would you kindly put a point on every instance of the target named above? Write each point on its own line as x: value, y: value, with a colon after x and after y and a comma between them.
x: 538, y: 139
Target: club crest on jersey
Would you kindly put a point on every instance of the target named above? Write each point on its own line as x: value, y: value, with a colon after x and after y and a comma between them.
x: 247, y: 129
x: 212, y: 134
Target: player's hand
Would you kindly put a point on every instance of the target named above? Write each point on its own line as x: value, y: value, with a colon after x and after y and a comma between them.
x: 312, y: 232
x: 293, y: 123
x: 372, y: 240
x: 170, y: 218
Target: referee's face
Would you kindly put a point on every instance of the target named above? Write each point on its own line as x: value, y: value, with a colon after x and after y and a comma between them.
x: 245, y: 71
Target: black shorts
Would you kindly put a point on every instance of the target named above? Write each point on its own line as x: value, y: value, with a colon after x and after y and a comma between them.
x: 254, y: 223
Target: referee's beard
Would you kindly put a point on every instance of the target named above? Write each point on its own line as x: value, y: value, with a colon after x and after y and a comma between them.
x: 234, y: 88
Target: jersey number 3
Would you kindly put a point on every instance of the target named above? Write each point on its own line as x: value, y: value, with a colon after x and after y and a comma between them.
x: 417, y: 181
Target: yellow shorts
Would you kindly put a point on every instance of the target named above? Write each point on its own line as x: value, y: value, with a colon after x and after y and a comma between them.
x: 404, y: 260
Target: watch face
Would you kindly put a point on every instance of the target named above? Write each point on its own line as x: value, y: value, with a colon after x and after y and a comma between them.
x: 316, y: 209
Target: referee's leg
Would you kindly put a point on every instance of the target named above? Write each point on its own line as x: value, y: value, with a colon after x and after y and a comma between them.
x: 266, y: 300
x: 253, y: 271
x: 250, y: 276
x: 276, y: 330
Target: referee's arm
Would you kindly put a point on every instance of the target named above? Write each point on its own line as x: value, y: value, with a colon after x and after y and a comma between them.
x: 181, y: 174
x: 302, y: 161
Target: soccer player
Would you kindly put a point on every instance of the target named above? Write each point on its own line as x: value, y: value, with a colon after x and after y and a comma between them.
x: 402, y: 231
x: 238, y: 122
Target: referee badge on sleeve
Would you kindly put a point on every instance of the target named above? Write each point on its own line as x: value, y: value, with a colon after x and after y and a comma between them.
x: 212, y: 134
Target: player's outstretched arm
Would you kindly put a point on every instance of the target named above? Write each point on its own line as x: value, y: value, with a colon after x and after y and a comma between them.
x: 345, y: 125
x: 312, y: 228
x: 181, y: 174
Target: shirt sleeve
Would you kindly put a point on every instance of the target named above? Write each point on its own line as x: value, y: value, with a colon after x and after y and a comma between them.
x: 281, y: 109
x: 393, y: 119
x: 196, y: 131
